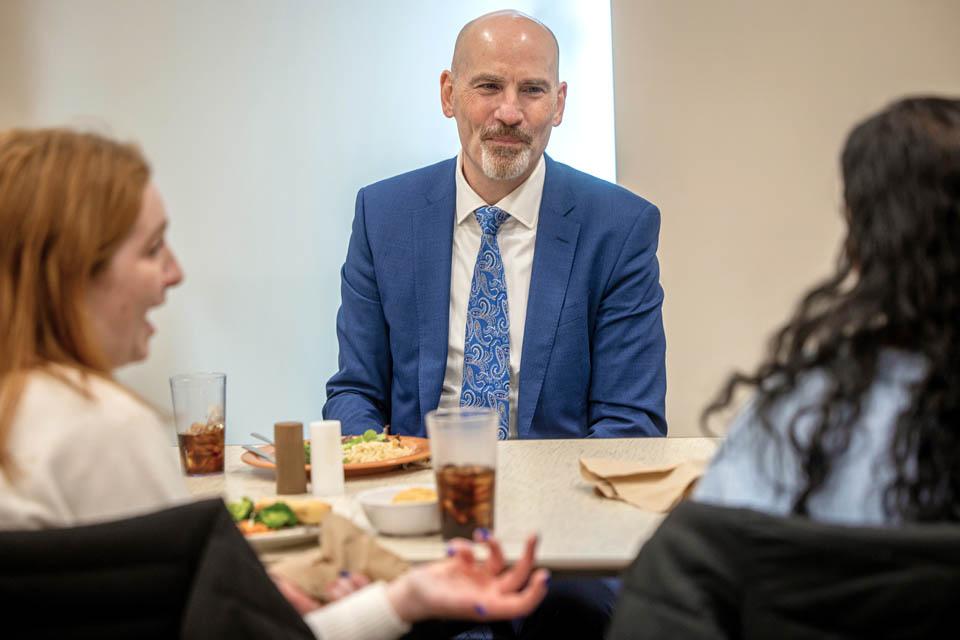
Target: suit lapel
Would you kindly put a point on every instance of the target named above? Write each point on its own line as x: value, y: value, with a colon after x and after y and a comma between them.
x: 552, y: 259
x: 433, y: 246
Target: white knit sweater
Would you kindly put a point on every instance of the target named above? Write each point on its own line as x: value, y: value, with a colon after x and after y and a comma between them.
x: 81, y: 459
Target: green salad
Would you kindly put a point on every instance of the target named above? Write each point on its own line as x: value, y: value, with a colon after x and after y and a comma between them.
x: 368, y: 436
x: 349, y: 442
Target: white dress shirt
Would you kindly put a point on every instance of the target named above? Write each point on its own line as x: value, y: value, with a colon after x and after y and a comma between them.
x: 516, y: 239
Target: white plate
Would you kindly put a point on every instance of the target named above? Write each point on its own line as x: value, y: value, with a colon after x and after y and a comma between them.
x: 284, y: 537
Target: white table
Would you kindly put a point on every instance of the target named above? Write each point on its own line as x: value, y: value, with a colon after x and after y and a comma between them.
x: 539, y: 489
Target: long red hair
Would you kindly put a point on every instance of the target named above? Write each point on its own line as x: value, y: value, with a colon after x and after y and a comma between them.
x: 67, y: 200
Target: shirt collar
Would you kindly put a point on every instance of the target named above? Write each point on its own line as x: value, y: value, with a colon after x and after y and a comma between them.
x: 523, y: 203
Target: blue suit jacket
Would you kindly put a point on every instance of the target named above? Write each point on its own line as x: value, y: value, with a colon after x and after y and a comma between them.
x: 592, y: 360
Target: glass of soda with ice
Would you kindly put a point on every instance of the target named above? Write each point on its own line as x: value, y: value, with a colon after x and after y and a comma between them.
x: 199, y: 402
x: 463, y: 445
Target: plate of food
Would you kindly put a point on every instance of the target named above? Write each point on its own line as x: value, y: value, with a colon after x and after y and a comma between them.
x: 271, y: 523
x: 365, y: 454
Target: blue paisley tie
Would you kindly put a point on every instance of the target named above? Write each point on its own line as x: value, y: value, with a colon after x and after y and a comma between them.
x: 486, y: 349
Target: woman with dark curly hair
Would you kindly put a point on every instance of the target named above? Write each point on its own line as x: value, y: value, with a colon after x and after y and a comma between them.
x: 856, y: 413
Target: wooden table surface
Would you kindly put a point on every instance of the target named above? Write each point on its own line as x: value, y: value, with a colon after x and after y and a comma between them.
x: 538, y: 489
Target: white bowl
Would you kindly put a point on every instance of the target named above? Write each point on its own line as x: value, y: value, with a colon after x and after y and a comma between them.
x: 405, y: 519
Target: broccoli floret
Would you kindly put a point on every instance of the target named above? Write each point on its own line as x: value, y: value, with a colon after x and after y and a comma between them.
x: 241, y: 509
x: 306, y: 451
x: 277, y: 515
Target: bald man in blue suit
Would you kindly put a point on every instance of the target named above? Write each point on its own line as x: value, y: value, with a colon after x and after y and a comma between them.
x: 593, y: 350
x: 579, y: 253
x: 502, y: 278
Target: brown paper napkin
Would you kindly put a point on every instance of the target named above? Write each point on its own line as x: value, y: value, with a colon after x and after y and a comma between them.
x: 343, y: 547
x: 653, y: 488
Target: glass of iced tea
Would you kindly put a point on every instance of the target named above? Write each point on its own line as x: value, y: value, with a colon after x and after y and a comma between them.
x: 199, y: 410
x: 463, y: 446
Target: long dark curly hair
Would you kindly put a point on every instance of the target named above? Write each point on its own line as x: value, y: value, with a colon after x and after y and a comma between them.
x: 896, y: 285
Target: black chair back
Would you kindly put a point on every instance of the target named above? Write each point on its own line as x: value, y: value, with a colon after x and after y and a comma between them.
x: 182, y: 572
x: 713, y: 572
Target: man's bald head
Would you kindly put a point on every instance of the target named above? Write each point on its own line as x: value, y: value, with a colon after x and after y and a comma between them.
x: 504, y: 90
x: 502, y: 28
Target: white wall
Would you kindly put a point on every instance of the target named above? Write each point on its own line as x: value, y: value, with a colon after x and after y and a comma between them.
x: 262, y: 119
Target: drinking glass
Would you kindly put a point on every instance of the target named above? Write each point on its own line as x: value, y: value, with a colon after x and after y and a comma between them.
x: 463, y: 445
x: 199, y: 410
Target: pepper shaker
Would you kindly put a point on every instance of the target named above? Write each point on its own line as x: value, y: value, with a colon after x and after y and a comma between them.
x: 291, y: 464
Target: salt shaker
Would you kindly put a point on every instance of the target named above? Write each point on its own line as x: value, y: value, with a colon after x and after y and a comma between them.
x: 326, y: 458
x: 291, y: 465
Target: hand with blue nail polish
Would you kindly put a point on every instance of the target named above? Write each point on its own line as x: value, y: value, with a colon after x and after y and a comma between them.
x: 464, y: 588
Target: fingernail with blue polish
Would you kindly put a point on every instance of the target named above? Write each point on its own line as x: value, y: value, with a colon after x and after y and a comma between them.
x: 344, y: 573
x: 450, y: 552
x: 480, y: 610
x: 484, y: 533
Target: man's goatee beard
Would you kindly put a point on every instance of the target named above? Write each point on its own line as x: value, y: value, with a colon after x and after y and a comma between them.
x: 501, y: 163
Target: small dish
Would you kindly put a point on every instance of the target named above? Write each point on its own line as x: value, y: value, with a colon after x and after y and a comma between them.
x: 404, y: 519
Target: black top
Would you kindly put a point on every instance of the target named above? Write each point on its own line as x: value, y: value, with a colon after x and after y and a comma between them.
x: 714, y: 572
